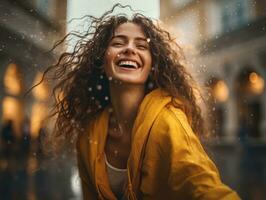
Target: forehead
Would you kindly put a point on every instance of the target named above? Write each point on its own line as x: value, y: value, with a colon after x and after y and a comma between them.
x: 129, y: 29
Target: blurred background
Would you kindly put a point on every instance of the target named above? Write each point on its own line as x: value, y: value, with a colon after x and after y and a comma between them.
x: 225, y: 42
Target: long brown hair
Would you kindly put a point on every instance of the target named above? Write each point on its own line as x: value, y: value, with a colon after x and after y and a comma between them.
x: 82, y: 88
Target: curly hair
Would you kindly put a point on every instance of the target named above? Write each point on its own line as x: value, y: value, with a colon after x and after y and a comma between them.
x: 82, y: 90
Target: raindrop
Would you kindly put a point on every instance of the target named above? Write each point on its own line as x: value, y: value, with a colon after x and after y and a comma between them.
x: 106, y: 98
x: 110, y: 78
x: 90, y: 89
x: 99, y: 87
x: 101, y: 77
x: 148, y: 40
x: 150, y: 85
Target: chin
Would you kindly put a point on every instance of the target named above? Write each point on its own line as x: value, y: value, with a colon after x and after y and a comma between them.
x: 130, y: 81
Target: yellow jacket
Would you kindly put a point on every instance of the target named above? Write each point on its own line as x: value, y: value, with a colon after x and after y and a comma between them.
x: 166, y: 161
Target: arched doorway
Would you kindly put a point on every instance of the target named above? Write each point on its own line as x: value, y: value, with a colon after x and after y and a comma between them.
x: 12, y: 105
x: 219, y: 94
x: 249, y: 87
x: 40, y: 107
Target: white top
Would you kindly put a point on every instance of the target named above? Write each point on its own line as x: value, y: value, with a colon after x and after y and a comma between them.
x: 117, y: 179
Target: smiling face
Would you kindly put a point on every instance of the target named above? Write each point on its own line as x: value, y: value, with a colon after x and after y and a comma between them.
x: 128, y: 57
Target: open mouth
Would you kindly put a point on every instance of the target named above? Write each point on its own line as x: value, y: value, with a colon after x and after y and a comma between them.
x: 128, y: 64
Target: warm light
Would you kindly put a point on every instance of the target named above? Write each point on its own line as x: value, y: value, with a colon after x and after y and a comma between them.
x: 12, y: 80
x: 220, y: 91
x: 40, y: 92
x: 256, y: 83
x: 32, y: 165
x: 39, y: 113
x: 253, y: 77
x: 13, y: 110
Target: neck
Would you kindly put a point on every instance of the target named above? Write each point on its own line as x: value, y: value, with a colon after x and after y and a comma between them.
x: 126, y: 100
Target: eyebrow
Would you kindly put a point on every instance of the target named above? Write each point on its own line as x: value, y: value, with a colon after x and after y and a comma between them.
x: 125, y: 37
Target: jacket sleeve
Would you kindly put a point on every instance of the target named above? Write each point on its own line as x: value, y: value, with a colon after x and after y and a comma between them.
x: 176, y: 166
x: 88, y: 190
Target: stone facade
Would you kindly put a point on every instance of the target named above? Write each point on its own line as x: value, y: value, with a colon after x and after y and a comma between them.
x: 230, y: 37
x: 28, y: 30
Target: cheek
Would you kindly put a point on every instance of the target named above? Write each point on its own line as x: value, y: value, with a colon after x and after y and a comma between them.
x: 110, y: 56
x: 107, y: 56
x: 149, y: 61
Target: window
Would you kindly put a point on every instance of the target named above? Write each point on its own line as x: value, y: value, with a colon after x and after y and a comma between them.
x: 43, y: 6
x: 234, y: 14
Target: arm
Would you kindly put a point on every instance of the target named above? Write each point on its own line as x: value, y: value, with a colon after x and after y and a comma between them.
x: 176, y: 166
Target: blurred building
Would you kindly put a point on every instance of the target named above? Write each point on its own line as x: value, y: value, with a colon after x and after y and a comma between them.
x: 28, y: 30
x: 230, y: 36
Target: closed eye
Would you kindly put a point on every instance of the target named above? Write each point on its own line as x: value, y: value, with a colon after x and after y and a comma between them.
x: 117, y: 44
x: 142, y: 47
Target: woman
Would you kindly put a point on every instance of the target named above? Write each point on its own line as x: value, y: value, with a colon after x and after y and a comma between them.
x: 128, y: 98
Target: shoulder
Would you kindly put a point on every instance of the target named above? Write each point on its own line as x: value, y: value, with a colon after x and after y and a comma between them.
x: 171, y: 129
x: 172, y: 119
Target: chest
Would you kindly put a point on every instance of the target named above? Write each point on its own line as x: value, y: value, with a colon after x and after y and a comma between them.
x: 117, y: 149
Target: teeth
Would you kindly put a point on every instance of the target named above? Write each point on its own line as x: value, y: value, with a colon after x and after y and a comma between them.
x: 129, y: 62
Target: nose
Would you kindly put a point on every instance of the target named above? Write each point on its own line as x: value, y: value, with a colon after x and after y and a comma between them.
x: 129, y: 49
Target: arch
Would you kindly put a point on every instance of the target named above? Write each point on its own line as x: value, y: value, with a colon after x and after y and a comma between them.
x: 13, y: 82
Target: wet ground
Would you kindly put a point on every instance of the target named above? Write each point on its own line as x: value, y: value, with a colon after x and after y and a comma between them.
x: 34, y: 177
x: 243, y: 167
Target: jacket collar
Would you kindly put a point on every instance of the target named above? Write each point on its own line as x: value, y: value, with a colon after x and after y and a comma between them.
x: 149, y: 109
